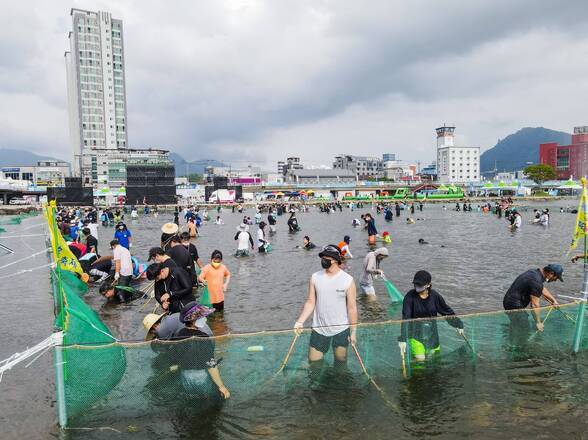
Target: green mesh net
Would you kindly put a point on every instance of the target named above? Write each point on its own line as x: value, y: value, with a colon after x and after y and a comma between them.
x: 143, y: 385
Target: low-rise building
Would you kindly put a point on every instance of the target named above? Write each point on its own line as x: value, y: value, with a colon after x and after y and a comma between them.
x: 363, y: 167
x: 569, y: 161
x: 45, y: 173
x: 321, y: 176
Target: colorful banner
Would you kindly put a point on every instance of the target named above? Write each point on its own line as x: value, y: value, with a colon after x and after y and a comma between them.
x: 61, y: 251
x: 581, y: 229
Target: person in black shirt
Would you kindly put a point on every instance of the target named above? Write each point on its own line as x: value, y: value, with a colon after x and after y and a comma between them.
x: 527, y: 289
x: 101, y: 268
x: 424, y: 302
x: 158, y: 255
x: 173, y: 289
x: 195, y: 358
x: 180, y: 255
x: 194, y: 258
x: 91, y: 242
x: 293, y: 223
x: 112, y: 292
x: 168, y: 230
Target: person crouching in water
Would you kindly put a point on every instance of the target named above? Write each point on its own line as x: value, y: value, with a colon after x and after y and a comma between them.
x: 371, y: 267
x: 332, y: 303
x: 195, y: 357
x: 424, y: 302
x: 217, y: 276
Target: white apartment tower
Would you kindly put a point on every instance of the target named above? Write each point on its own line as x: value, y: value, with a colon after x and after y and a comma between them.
x: 95, y: 89
x: 456, y: 164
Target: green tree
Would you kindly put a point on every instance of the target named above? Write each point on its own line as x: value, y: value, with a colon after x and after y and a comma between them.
x: 194, y: 178
x: 540, y: 173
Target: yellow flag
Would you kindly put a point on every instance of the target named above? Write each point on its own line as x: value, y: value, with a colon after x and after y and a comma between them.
x: 61, y: 251
x: 581, y: 227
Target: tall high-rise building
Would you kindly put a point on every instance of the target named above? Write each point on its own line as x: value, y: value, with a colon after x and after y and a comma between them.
x: 96, y: 88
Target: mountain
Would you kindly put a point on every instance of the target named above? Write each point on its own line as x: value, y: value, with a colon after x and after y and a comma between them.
x: 515, y: 151
x: 20, y: 158
x: 183, y: 168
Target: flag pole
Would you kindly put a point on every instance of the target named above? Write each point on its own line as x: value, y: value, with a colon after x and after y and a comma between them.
x: 581, y: 310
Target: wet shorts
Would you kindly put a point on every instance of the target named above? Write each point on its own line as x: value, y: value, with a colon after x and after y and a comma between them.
x: 321, y: 342
x: 417, y: 348
x: 368, y: 290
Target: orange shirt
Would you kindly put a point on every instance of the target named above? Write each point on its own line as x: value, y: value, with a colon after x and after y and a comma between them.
x: 215, y: 279
x: 341, y: 246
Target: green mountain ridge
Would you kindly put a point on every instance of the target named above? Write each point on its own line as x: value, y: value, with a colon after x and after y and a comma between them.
x: 515, y: 151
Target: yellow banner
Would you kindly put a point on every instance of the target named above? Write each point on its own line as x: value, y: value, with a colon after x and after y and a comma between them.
x: 581, y: 227
x: 61, y: 251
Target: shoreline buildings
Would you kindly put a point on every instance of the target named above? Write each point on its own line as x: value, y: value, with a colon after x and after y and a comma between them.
x: 456, y: 164
x: 571, y: 160
x: 97, y: 104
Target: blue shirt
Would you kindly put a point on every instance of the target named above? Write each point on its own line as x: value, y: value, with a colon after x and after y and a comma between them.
x: 73, y: 232
x: 123, y: 237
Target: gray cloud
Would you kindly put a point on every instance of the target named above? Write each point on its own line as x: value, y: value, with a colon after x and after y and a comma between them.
x: 259, y: 80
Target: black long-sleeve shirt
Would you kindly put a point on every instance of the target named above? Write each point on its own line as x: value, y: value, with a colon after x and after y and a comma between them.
x: 179, y: 287
x: 425, y: 331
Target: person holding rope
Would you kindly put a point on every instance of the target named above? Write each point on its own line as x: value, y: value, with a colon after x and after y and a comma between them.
x: 332, y: 303
x: 424, y: 302
x: 173, y: 288
x: 527, y: 289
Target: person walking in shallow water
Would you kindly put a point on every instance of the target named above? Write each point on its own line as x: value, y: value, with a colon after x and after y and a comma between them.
x: 332, y: 303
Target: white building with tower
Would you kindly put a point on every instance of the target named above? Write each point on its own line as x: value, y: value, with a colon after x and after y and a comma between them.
x: 456, y: 164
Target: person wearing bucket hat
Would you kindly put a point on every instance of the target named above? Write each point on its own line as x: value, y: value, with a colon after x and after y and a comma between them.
x: 168, y: 230
x: 527, y: 289
x: 166, y: 326
x: 344, y: 246
x: 244, y: 240
x: 195, y: 358
x: 332, y: 303
x: 423, y: 302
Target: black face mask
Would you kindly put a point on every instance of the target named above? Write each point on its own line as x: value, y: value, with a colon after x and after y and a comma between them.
x: 326, y: 263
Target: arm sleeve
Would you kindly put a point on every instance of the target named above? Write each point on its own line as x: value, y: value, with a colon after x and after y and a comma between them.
x: 444, y: 310
x: 251, y: 240
x: 406, y: 314
x: 237, y: 235
x: 184, y: 287
x: 536, y: 289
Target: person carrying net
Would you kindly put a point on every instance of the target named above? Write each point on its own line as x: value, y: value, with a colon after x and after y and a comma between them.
x: 424, y: 302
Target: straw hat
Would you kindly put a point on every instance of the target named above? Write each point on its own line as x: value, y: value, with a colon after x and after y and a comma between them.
x: 148, y: 322
x: 169, y: 228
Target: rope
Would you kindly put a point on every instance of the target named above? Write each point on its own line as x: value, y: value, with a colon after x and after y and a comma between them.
x: 285, y: 361
x: 20, y: 272
x: 42, y: 347
x: 25, y: 258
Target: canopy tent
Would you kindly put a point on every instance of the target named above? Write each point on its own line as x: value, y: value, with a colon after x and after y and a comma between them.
x: 570, y: 184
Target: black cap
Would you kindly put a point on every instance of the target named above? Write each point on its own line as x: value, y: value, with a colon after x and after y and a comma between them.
x: 347, y: 239
x: 331, y: 251
x: 556, y: 269
x: 421, y: 278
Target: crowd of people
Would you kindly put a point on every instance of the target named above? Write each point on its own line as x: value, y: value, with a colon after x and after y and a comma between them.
x: 178, y: 277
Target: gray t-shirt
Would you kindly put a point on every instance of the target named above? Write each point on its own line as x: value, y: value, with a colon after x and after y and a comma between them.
x: 330, y: 312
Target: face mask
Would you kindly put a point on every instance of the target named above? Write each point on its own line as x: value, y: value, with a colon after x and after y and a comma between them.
x: 215, y: 265
x: 120, y: 228
x: 420, y: 289
x: 325, y: 263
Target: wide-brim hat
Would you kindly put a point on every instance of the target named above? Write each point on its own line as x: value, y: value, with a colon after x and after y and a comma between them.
x: 243, y: 227
x: 194, y: 311
x: 170, y: 228
x: 148, y: 322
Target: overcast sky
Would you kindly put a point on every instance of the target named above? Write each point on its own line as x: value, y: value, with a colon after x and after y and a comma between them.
x: 256, y: 81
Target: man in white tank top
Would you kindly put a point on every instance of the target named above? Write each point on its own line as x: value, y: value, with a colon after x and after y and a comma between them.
x: 331, y: 301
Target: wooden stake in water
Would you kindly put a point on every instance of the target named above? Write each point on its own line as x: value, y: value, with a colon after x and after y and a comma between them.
x: 285, y: 361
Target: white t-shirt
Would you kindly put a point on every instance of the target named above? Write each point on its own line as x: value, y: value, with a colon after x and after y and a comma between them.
x: 93, y: 227
x: 260, y: 238
x: 518, y: 221
x: 243, y: 241
x: 330, y: 311
x: 126, y: 264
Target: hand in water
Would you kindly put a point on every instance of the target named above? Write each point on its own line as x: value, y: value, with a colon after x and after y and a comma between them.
x: 353, y: 338
x: 461, y: 332
x: 225, y: 392
x: 540, y: 326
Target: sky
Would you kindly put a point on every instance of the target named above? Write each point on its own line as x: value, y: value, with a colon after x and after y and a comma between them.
x: 252, y: 82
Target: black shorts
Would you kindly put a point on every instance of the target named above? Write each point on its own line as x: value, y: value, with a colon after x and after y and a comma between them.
x: 321, y: 343
x: 219, y: 307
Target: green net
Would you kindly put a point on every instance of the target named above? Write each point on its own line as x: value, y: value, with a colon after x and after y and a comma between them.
x: 144, y: 385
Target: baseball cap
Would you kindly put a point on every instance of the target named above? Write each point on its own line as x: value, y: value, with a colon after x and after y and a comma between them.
x: 331, y: 251
x: 556, y: 269
x: 422, y: 278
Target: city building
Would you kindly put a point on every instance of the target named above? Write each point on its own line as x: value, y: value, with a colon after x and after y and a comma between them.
x: 363, y: 167
x: 96, y: 88
x: 429, y: 172
x: 388, y: 157
x: 569, y: 161
x: 281, y: 166
x: 45, y: 173
x: 397, y: 170
x: 456, y: 164
x: 321, y: 176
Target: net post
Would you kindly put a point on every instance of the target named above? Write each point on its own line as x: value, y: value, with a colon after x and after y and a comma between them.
x: 60, y: 381
x: 580, y: 318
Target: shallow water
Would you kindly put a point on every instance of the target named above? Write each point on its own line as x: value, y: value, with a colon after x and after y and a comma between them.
x: 473, y: 258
